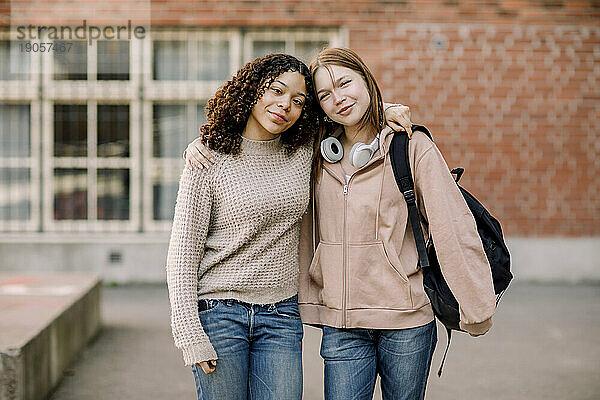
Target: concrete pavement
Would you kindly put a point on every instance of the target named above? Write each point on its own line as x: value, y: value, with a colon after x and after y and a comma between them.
x: 545, y: 344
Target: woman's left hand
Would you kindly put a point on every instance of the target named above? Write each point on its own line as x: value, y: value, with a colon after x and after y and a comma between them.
x: 397, y: 116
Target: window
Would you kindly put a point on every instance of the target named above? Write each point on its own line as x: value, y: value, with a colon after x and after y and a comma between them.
x: 19, y: 136
x: 170, y: 60
x: 304, y: 44
x: 70, y: 130
x: 91, y: 108
x: 174, y: 126
x: 263, y: 47
x: 15, y: 169
x: 113, y: 130
x: 195, y: 60
x: 91, y: 164
x: 14, y: 63
x: 72, y: 199
x: 15, y: 140
x: 70, y: 194
x: 117, y: 115
x: 113, y: 60
x: 103, y: 60
x: 187, y: 68
x: 73, y: 63
x: 19, y: 195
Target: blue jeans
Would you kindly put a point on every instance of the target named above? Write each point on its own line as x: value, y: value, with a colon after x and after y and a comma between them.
x: 259, y: 350
x: 354, y: 357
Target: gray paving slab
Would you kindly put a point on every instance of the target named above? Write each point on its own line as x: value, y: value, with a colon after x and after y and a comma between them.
x: 545, y: 344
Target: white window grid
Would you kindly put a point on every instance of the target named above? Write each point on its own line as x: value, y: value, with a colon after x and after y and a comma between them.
x: 140, y: 92
x: 168, y: 170
x: 164, y: 170
x: 190, y: 93
x: 25, y: 91
x: 92, y: 93
x: 333, y: 37
x: 164, y: 90
x: 92, y: 163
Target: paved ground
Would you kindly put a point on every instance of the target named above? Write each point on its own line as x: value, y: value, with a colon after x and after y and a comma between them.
x: 545, y: 344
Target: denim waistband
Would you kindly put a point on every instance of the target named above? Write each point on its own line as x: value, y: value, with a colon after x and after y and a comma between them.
x: 229, y: 302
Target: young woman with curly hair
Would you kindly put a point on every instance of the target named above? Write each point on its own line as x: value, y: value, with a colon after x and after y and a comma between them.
x: 232, y: 265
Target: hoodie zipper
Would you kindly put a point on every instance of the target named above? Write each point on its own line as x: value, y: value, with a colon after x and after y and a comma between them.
x: 345, y: 257
x: 344, y: 252
x: 345, y: 238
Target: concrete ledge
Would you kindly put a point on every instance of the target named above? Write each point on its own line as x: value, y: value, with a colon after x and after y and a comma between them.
x: 45, y: 320
x: 567, y: 260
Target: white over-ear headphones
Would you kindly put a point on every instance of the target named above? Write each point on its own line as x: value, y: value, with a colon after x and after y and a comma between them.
x: 331, y: 148
x: 360, y: 154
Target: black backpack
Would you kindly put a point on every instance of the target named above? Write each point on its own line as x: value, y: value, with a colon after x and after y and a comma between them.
x: 445, y: 306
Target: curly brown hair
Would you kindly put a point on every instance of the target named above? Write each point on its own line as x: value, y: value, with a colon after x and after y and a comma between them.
x: 228, y: 111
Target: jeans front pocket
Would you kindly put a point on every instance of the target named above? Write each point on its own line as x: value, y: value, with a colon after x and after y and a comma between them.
x: 287, y: 309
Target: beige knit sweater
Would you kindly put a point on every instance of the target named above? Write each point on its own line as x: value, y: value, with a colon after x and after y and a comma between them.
x: 235, y: 235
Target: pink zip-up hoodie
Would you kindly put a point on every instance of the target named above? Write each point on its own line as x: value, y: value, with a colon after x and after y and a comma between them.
x: 358, y: 259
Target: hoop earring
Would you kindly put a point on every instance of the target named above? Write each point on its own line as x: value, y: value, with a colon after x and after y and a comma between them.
x: 327, y: 119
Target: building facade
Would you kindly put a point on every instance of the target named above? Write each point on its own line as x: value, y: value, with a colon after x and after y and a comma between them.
x: 92, y: 131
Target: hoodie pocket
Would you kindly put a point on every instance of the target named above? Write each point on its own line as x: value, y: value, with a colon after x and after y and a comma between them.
x: 326, y: 275
x: 376, y: 282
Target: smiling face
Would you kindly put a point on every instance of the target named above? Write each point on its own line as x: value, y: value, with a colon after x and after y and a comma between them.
x: 279, y: 107
x: 342, y: 93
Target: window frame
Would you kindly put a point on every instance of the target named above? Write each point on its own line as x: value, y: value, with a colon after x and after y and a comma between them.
x: 92, y: 92
x: 41, y: 91
x: 290, y: 36
x: 189, y: 93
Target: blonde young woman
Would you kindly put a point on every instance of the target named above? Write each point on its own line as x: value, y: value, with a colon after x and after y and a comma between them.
x: 363, y: 284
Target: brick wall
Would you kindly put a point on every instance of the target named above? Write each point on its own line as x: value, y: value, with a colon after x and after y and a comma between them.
x: 519, y: 107
x: 510, y: 89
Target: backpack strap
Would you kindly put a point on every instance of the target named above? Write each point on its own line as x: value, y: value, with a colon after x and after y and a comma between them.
x: 403, y: 176
x: 449, y: 335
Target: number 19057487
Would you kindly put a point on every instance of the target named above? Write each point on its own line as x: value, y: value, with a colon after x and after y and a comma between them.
x: 62, y: 47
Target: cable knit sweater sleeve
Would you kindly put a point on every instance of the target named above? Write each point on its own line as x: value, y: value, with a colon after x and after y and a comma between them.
x: 186, y: 247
